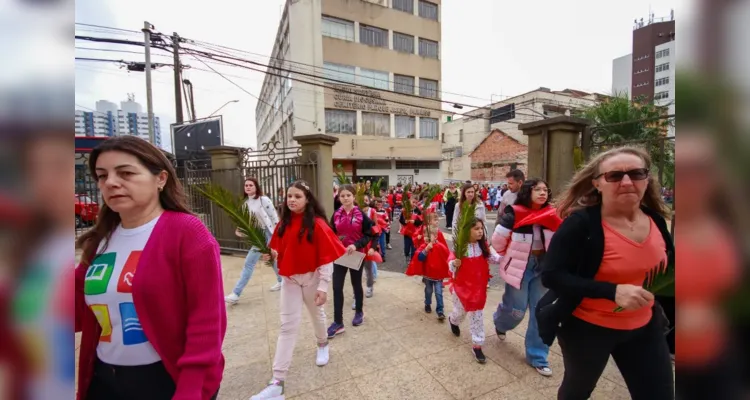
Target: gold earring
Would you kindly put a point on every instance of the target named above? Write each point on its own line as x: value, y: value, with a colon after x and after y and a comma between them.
x: 161, y: 188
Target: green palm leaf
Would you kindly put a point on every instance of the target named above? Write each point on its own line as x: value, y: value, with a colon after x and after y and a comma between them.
x: 359, y: 196
x: 375, y: 188
x: 341, y: 175
x: 406, y: 208
x: 462, y: 234
x: 236, y: 209
x: 659, y: 281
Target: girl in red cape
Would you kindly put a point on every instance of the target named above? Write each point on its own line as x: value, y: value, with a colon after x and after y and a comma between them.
x: 523, y: 234
x: 469, y: 286
x: 431, y: 262
x: 305, y: 247
x: 409, y: 226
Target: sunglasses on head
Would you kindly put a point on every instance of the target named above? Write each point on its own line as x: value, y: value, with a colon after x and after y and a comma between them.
x: 637, y: 174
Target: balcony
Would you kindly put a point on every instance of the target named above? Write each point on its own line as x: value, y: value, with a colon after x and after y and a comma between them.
x: 350, y: 147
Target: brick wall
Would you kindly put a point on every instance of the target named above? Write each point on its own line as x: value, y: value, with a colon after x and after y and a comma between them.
x: 494, y: 157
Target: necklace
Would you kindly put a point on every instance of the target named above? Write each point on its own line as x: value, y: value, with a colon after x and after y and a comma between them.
x: 631, y: 224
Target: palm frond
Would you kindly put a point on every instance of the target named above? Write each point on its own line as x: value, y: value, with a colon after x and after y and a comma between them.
x: 359, y: 195
x: 462, y: 233
x: 341, y: 175
x: 659, y: 281
x: 375, y: 188
x: 236, y: 209
x: 406, y: 208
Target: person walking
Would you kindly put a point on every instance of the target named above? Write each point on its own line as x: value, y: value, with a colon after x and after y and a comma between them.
x: 613, y: 235
x: 264, y: 211
x: 468, y: 196
x: 450, y: 197
x: 515, y: 180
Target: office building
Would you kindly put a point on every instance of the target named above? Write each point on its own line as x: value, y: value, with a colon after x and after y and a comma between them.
x: 365, y: 71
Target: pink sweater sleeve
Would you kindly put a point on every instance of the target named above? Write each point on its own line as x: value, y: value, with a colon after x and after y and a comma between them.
x: 207, y: 320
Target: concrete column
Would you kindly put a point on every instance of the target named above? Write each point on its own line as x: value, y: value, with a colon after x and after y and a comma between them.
x: 225, y: 171
x: 551, y: 147
x: 417, y: 133
x: 359, y: 122
x: 393, y: 125
x: 317, y: 152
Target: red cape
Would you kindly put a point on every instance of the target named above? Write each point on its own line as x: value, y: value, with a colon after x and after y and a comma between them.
x: 546, y: 217
x: 470, y: 282
x: 409, y: 229
x: 434, y: 267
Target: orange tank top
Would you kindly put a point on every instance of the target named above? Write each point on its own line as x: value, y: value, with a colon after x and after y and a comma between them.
x: 624, y: 262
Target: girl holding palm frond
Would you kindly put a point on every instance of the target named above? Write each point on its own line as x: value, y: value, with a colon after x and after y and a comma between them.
x: 264, y: 211
x: 610, y: 253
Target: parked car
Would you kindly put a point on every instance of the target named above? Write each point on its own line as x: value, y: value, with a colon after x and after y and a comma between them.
x: 86, y: 210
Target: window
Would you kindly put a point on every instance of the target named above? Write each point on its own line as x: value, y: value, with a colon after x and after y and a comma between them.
x: 406, y: 127
x: 661, y: 95
x: 404, y: 5
x: 417, y: 164
x: 662, y: 67
x: 373, y: 78
x: 428, y: 88
x: 338, y: 28
x: 428, y: 10
x: 341, y: 121
x: 662, y: 53
x: 403, y: 84
x: 374, y: 124
x: 403, y: 43
x: 338, y: 72
x: 661, y: 81
x: 428, y: 128
x: 373, y: 36
x: 373, y: 164
x: 460, y: 135
x: 458, y: 152
x: 428, y: 48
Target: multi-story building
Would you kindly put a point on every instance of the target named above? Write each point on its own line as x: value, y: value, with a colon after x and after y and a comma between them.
x: 108, y: 120
x: 365, y: 71
x: 649, y: 71
x: 499, y: 122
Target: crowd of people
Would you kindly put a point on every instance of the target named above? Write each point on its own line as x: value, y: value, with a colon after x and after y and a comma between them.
x: 151, y: 307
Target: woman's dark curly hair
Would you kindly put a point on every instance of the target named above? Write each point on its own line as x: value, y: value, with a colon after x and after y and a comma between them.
x: 524, y: 194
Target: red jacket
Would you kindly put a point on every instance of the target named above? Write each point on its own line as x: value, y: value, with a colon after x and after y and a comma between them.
x: 179, y: 294
x: 299, y: 256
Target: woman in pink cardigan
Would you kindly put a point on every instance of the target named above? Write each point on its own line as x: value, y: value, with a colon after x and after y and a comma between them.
x: 522, y: 236
x: 149, y: 291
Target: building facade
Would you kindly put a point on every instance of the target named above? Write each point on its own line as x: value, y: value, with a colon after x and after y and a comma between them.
x: 365, y: 71
x: 108, y: 120
x: 462, y: 136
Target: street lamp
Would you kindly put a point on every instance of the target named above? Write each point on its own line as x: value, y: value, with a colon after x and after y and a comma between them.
x: 225, y: 104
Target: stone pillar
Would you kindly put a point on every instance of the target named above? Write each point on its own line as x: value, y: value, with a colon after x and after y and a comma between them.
x: 225, y: 171
x: 317, y: 151
x: 551, y: 146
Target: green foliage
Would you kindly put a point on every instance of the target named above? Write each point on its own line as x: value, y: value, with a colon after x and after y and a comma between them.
x: 376, y: 186
x: 341, y: 175
x: 359, y: 195
x: 236, y: 209
x: 462, y: 233
x: 406, y: 208
x: 429, y: 192
x: 659, y: 281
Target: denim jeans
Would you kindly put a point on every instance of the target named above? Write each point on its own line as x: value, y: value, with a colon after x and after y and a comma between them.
x: 409, y: 248
x: 437, y: 287
x: 253, y: 256
x: 513, y: 307
x: 381, y: 241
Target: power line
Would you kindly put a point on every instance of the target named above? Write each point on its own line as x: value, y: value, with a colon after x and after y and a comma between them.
x: 107, y: 27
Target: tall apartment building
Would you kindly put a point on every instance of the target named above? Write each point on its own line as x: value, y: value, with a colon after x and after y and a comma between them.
x: 649, y: 71
x: 109, y: 120
x: 376, y: 78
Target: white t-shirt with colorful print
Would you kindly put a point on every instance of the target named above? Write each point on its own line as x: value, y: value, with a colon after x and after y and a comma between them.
x: 108, y: 292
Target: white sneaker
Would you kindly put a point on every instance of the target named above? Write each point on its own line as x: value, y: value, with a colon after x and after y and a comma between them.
x: 323, y: 355
x: 274, y: 391
x: 276, y: 287
x: 368, y: 293
x: 231, y: 298
x: 544, y: 371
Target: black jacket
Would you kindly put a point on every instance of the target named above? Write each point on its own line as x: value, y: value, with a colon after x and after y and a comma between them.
x: 571, y: 263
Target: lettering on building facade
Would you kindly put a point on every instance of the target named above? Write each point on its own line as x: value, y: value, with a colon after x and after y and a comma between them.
x: 354, y: 98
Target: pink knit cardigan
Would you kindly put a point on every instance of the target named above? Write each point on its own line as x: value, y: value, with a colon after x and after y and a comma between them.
x: 178, y: 293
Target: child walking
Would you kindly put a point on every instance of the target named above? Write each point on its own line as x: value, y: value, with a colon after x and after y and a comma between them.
x: 384, y: 220
x: 305, y: 246
x: 470, y: 275
x: 430, y: 262
x: 409, y: 227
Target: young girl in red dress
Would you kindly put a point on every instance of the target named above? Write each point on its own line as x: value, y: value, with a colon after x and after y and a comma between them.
x: 431, y: 262
x: 305, y: 247
x: 409, y: 227
x: 469, y: 287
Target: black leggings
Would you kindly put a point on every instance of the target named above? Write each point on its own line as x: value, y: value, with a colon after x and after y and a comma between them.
x: 142, y: 382
x: 339, y: 276
x: 387, y: 237
x: 641, y: 355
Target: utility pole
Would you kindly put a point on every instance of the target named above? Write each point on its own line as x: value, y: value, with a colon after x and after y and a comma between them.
x: 177, y: 79
x: 149, y: 96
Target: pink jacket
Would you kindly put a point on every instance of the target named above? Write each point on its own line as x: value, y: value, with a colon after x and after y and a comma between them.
x: 179, y: 294
x: 515, y: 249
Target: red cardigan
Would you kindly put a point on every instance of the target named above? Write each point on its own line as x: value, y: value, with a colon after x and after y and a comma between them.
x: 179, y: 295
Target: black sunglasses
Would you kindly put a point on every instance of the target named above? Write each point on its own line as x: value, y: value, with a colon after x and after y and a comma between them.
x: 637, y: 174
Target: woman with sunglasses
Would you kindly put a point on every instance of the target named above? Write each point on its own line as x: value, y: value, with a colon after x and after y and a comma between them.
x: 613, y: 235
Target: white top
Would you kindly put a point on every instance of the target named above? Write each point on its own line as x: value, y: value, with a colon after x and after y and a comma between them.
x: 108, y: 292
x: 475, y: 251
x: 263, y: 209
x: 509, y: 198
x: 480, y: 213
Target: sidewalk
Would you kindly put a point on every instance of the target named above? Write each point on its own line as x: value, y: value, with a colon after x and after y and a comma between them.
x: 398, y: 353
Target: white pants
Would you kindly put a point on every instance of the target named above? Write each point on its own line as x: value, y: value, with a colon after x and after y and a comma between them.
x: 296, y: 291
x: 476, y: 320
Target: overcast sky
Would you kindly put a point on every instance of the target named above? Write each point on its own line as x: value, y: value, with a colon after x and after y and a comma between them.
x: 492, y: 49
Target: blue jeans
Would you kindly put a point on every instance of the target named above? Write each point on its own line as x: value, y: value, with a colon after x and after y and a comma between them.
x: 381, y: 242
x: 437, y: 287
x: 513, y: 307
x: 253, y: 256
x: 409, y: 248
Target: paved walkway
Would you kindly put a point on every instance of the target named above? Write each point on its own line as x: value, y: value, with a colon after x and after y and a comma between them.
x: 398, y: 353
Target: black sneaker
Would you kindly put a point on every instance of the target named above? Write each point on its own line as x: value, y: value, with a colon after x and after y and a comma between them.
x: 478, y: 355
x: 455, y: 329
x: 441, y: 316
x: 500, y: 335
x: 427, y: 308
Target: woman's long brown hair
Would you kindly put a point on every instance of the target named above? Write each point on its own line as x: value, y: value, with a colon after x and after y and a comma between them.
x: 466, y: 187
x: 580, y: 191
x: 171, y: 198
